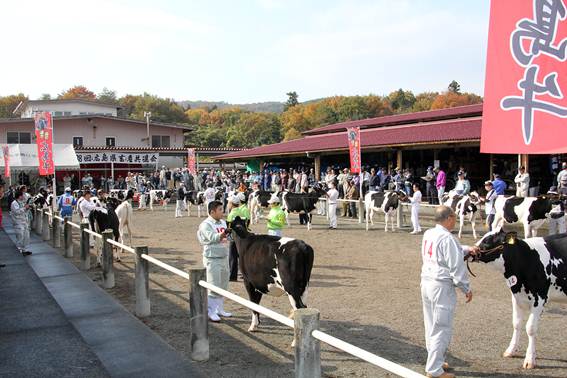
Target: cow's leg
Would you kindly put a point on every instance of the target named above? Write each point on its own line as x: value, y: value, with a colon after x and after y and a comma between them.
x: 309, y: 220
x: 287, y: 218
x: 517, y: 321
x: 461, y: 224
x: 531, y: 330
x: 386, y: 219
x: 254, y: 296
x: 473, y: 224
x: 392, y: 225
x: 120, y: 239
x: 366, y: 218
x: 527, y: 231
x: 151, y: 203
x: 372, y: 216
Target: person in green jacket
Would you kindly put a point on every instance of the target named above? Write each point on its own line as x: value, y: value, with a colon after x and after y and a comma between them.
x: 239, y: 209
x: 276, y: 217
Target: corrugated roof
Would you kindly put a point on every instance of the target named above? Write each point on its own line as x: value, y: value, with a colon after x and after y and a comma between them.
x: 400, y: 119
x: 459, y: 130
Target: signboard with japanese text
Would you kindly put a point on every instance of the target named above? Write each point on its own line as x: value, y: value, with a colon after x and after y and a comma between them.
x: 117, y: 157
x: 44, y: 140
x: 525, y: 108
x: 353, y: 135
x: 6, y: 153
x: 191, y: 164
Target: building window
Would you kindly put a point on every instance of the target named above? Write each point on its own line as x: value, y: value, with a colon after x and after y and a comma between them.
x: 66, y: 114
x: 78, y: 141
x: 110, y: 141
x: 160, y: 141
x: 57, y: 114
x: 14, y: 137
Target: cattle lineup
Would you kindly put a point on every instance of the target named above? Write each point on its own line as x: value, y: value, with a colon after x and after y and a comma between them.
x: 501, y: 221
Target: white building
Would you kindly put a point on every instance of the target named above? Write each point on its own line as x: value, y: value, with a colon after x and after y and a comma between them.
x: 65, y: 108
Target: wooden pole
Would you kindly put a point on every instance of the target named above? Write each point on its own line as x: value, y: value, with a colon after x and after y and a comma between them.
x: 45, y: 232
x: 85, y: 248
x: 307, y: 348
x: 142, y: 283
x: 198, y: 303
x: 56, y: 230
x: 107, y: 260
x: 68, y: 237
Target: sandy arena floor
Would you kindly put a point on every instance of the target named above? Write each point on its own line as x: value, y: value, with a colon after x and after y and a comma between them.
x: 366, y: 285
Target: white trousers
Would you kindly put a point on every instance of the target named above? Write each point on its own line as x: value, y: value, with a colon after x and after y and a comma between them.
x: 557, y: 226
x: 142, y: 201
x: 439, y: 302
x: 415, y: 218
x: 440, y: 192
x: 217, y: 273
x: 275, y: 232
x: 333, y: 215
x: 22, y: 236
x: 179, y: 208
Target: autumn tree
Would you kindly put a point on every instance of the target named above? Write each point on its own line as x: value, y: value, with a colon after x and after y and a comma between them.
x: 107, y: 96
x: 454, y: 87
x: 423, y: 101
x: 9, y: 103
x: 78, y: 91
x: 162, y: 109
x: 452, y: 99
x: 401, y: 101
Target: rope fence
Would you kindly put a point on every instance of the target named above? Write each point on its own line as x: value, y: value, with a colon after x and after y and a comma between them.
x: 305, y: 323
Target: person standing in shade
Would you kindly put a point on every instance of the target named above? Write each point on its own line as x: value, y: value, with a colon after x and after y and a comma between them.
x: 212, y: 235
x: 276, y: 217
x: 557, y: 213
x: 19, y: 212
x: 440, y: 183
x: 333, y: 196
x: 239, y: 209
x: 499, y: 185
x: 489, y: 200
x: 522, y: 181
x: 415, y: 201
x: 442, y: 271
x: 180, y: 203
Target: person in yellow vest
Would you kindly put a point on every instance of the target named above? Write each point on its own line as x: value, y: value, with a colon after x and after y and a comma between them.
x: 276, y: 217
x: 239, y: 209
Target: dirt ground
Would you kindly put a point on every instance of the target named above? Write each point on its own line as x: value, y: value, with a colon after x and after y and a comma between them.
x: 366, y: 285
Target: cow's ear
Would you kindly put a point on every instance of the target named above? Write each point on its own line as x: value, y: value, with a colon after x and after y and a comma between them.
x: 511, y: 238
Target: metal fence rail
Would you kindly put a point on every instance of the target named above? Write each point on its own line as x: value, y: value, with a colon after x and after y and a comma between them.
x: 305, y: 322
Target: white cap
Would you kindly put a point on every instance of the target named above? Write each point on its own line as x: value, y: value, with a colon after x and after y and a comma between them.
x: 67, y: 189
x: 241, y: 197
x: 274, y: 199
x: 235, y: 199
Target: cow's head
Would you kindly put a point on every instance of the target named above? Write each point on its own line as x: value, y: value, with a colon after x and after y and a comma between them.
x: 474, y: 198
x: 238, y: 226
x: 129, y: 195
x: 112, y: 203
x: 493, y: 243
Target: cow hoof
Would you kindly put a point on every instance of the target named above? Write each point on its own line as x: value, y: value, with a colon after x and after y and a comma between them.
x: 508, y: 354
x: 528, y: 365
x: 252, y: 329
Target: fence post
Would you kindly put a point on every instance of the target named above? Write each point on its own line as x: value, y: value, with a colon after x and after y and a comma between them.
x: 142, y: 281
x: 68, y: 237
x: 198, y: 314
x: 307, y: 348
x: 107, y: 260
x: 56, y: 230
x: 360, y: 208
x: 45, y: 232
x: 34, y: 220
x: 85, y: 248
x: 399, y: 215
x: 38, y: 226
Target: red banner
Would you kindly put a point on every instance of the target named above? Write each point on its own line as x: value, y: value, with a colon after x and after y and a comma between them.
x: 6, y: 151
x: 191, y: 161
x: 525, y: 110
x: 353, y: 134
x: 44, y: 138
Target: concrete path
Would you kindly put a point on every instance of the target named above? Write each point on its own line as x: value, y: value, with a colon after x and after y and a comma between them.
x: 122, y: 345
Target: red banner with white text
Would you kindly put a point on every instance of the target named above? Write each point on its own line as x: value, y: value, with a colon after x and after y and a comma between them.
x: 353, y: 134
x: 6, y: 152
x: 191, y: 161
x: 525, y: 108
x: 44, y: 139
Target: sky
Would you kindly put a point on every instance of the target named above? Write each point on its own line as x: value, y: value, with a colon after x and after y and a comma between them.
x: 242, y: 51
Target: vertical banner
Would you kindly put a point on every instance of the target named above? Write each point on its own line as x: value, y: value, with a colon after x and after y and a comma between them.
x: 44, y: 138
x: 6, y: 152
x: 353, y: 134
x: 191, y: 161
x: 525, y: 108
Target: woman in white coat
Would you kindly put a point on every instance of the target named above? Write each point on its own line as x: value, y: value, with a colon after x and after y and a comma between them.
x: 415, y: 201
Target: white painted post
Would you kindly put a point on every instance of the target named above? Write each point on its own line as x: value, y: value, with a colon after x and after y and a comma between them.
x: 142, y: 283
x: 45, y: 232
x: 198, y: 303
x: 85, y: 248
x: 107, y: 260
x: 56, y: 230
x: 68, y: 237
x: 399, y: 215
x: 307, y: 348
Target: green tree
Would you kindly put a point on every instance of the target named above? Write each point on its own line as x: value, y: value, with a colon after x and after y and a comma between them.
x: 292, y: 100
x: 107, y: 96
x: 423, y: 101
x: 9, y: 103
x: 401, y: 101
x: 45, y: 96
x: 454, y: 87
x: 254, y: 129
x: 162, y: 109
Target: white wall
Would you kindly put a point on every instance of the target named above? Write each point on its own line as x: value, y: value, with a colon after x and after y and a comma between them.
x: 75, y: 108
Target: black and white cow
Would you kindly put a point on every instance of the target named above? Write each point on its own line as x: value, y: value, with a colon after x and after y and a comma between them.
x: 465, y: 207
x: 157, y: 195
x: 302, y: 203
x: 530, y: 211
x: 272, y: 265
x: 535, y: 270
x: 257, y: 201
x: 387, y: 202
x: 120, y: 194
x: 102, y: 219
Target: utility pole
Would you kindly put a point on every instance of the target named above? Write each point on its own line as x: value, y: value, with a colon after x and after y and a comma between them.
x: 148, y: 115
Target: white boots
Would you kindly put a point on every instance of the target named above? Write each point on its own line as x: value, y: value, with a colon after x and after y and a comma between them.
x: 216, y: 308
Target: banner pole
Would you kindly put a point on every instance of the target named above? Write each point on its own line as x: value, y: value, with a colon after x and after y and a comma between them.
x: 54, y: 200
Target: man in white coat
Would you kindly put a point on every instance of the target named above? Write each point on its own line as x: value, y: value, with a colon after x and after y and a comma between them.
x: 19, y: 211
x: 522, y: 181
x: 415, y: 201
x: 442, y: 271
x: 333, y: 196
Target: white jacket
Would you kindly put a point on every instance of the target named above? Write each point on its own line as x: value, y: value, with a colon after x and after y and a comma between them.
x: 18, y: 213
x: 209, y: 236
x: 522, y: 184
x: 443, y: 258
